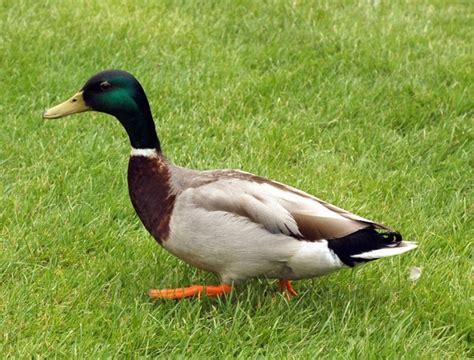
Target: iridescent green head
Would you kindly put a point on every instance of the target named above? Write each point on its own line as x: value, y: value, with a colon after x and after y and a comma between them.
x: 119, y: 94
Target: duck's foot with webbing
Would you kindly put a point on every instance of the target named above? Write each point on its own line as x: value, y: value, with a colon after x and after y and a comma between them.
x: 287, y: 288
x: 191, y: 291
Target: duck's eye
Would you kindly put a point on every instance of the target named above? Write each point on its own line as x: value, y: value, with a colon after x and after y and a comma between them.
x: 105, y: 85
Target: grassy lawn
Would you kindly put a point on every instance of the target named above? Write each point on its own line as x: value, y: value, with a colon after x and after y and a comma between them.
x: 367, y: 104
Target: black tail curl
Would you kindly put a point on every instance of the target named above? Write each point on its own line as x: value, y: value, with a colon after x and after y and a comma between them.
x: 362, y: 241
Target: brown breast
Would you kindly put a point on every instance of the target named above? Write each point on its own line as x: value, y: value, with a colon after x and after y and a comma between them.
x: 150, y: 192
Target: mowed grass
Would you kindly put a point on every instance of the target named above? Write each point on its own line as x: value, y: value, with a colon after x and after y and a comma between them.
x: 366, y: 104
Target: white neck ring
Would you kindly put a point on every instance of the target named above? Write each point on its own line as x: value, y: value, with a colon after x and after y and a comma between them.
x: 144, y: 152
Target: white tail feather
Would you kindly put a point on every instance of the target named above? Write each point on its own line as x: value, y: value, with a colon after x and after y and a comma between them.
x: 389, y: 251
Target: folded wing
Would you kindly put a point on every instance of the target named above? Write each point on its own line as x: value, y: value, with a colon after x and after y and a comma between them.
x: 277, y: 207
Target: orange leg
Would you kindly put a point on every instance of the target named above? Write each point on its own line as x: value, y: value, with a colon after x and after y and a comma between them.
x: 195, y: 290
x: 286, y: 287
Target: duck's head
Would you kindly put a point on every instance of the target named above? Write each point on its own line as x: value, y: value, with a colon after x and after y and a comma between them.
x: 119, y: 94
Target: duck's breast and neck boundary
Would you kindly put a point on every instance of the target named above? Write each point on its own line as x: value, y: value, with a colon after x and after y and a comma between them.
x: 150, y: 191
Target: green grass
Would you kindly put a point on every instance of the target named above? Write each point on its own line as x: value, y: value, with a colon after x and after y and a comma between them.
x: 368, y: 105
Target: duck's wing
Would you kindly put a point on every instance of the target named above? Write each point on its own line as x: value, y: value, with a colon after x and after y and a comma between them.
x: 276, y: 207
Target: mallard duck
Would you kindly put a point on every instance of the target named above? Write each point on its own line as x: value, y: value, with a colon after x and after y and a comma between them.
x: 228, y: 222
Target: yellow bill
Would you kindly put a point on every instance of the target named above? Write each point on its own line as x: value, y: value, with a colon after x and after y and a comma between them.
x: 74, y: 105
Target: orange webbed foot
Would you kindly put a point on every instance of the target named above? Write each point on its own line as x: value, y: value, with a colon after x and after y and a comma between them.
x: 191, y: 291
x: 287, y: 288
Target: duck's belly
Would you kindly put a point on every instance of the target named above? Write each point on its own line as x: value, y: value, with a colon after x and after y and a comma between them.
x: 238, y: 249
